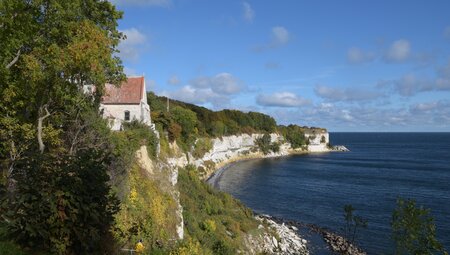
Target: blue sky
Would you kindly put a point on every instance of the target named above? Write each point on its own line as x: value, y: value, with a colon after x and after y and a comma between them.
x: 343, y: 65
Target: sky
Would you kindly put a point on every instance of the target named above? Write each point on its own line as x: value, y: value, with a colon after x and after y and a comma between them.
x: 375, y: 66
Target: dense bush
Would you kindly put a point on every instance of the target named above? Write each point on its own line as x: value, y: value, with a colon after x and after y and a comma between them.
x: 146, y: 213
x: 138, y: 134
x: 186, y: 122
x: 265, y: 145
x: 202, y: 146
x: 60, y: 202
x: 213, y: 218
x: 294, y: 135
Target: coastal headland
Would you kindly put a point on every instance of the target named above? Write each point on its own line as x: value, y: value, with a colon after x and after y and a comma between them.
x: 229, y: 150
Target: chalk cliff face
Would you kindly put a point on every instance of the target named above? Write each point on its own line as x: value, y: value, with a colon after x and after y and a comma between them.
x: 167, y: 177
x: 318, y: 142
x: 228, y: 149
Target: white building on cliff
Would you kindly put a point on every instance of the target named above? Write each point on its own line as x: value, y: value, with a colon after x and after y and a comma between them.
x: 126, y: 103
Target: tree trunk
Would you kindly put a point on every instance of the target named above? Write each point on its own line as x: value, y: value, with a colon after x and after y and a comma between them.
x: 39, y: 127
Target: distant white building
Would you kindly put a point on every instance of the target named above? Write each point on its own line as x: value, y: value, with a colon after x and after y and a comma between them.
x: 126, y: 103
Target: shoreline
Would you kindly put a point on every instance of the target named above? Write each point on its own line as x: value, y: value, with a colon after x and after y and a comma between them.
x: 214, y: 176
x: 334, y: 242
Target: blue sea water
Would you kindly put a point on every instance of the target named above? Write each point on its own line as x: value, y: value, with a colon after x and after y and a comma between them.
x: 379, y: 168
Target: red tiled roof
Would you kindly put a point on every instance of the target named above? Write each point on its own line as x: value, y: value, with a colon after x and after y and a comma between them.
x: 130, y: 92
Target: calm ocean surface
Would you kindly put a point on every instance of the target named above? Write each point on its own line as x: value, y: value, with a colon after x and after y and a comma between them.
x: 379, y: 168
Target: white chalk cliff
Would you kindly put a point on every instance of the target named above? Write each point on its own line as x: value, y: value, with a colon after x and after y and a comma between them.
x: 228, y: 149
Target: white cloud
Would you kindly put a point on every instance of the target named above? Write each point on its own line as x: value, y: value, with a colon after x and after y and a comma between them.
x: 173, y: 80
x: 131, y: 47
x: 357, y: 56
x: 346, y: 94
x: 280, y: 35
x: 201, y: 96
x: 281, y: 99
x: 129, y: 71
x: 399, y: 51
x: 223, y: 83
x: 249, y: 13
x: 160, y: 3
x: 431, y: 116
x: 410, y: 84
x: 421, y: 107
x: 216, y: 90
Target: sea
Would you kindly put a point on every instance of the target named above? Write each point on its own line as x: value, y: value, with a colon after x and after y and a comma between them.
x: 378, y: 169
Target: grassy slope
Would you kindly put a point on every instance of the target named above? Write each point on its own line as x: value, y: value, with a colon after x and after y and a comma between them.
x: 218, y: 221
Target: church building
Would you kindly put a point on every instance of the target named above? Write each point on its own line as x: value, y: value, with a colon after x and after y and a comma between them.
x: 126, y: 103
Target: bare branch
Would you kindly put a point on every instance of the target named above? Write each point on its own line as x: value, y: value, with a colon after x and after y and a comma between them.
x: 16, y: 58
x: 39, y: 127
x: 74, y: 141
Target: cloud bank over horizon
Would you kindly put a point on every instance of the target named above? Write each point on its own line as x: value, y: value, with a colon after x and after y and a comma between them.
x: 298, y: 66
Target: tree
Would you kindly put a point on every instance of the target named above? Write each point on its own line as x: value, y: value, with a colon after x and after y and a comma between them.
x: 294, y: 135
x: 53, y: 144
x: 187, y: 119
x: 48, y: 51
x: 352, y: 222
x: 413, y: 230
x: 217, y: 129
x: 264, y: 143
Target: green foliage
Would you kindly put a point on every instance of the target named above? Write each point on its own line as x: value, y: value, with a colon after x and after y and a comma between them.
x: 275, y: 147
x: 265, y: 145
x: 209, y: 226
x: 146, y: 213
x: 48, y: 51
x: 186, y: 118
x: 186, y: 122
x: 294, y: 135
x: 124, y: 145
x: 201, y: 147
x: 54, y: 149
x: 217, y: 128
x: 190, y: 247
x: 213, y: 218
x: 413, y: 230
x: 140, y: 134
x: 61, y: 202
x: 8, y: 247
x: 174, y: 131
x: 352, y: 223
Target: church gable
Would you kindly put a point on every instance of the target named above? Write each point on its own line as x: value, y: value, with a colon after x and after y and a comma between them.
x: 130, y: 92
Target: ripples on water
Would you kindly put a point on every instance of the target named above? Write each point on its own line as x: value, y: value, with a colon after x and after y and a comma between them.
x: 379, y: 168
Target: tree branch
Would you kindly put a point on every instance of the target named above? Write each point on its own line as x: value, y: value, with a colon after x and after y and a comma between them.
x: 39, y: 127
x: 15, y: 59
